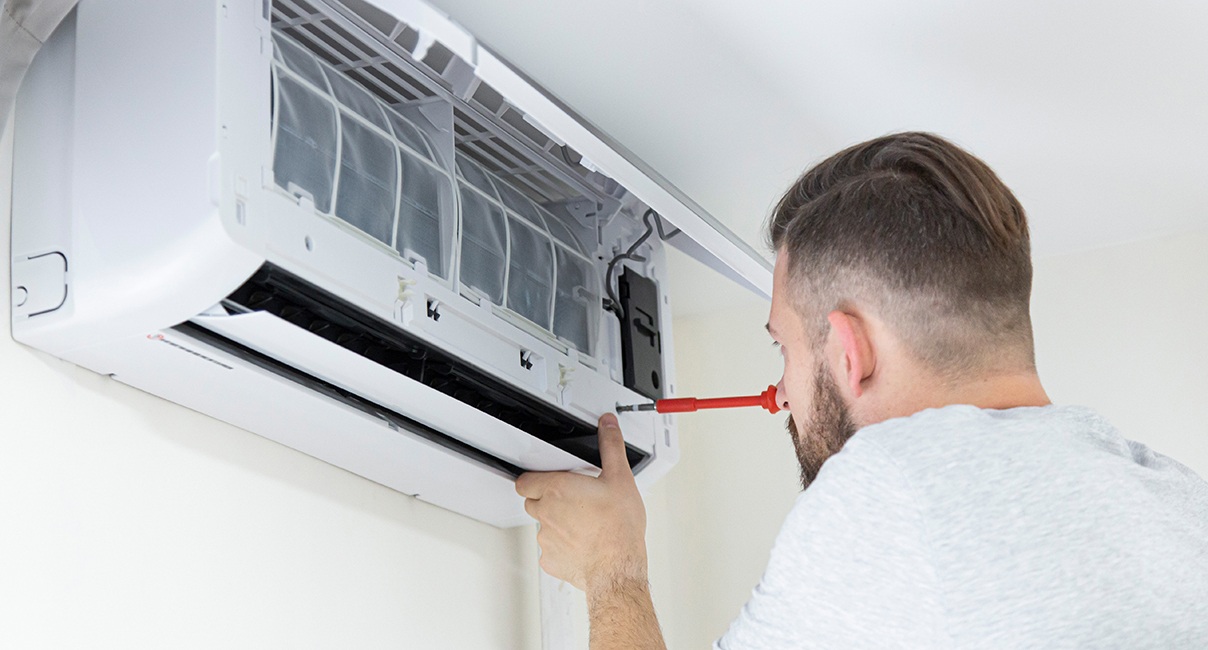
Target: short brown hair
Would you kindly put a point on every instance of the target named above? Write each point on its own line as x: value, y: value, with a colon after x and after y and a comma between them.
x: 925, y: 234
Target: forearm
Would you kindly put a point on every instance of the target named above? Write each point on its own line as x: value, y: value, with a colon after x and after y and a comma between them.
x: 622, y: 617
x: 593, y: 535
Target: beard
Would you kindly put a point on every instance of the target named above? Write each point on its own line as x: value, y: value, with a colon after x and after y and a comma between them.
x: 826, y: 427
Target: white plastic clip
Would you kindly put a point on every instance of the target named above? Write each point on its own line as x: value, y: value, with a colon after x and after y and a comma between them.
x: 565, y: 380
x: 404, y: 288
x: 404, y: 307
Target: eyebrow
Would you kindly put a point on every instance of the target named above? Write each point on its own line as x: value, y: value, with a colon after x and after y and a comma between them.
x: 768, y: 327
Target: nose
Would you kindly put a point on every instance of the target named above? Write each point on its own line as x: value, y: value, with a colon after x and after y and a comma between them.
x: 782, y: 396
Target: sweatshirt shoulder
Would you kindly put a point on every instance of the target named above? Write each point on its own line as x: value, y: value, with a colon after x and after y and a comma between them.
x: 965, y: 429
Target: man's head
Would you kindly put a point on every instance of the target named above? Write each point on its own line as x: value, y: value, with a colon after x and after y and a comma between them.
x: 903, y: 278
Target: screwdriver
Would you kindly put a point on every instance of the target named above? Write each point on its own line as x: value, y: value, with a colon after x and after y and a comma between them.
x: 766, y: 399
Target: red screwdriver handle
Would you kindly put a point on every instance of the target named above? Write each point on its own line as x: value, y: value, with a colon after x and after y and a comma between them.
x: 677, y: 405
x: 766, y: 399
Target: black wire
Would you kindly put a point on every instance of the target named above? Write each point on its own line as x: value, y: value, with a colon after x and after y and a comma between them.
x: 614, y: 304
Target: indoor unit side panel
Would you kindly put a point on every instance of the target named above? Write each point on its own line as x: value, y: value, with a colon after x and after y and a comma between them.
x: 179, y: 370
x: 148, y: 249
x: 665, y: 456
x: 41, y: 210
x: 242, y: 172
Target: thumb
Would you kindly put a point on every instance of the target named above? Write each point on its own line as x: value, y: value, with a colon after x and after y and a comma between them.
x: 613, y: 460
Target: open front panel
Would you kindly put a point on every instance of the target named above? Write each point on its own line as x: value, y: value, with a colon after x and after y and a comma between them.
x: 398, y: 140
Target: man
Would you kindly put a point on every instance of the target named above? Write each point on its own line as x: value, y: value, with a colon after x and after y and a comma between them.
x: 948, y: 504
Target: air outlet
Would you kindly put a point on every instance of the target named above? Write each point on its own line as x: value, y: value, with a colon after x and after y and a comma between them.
x: 304, y: 305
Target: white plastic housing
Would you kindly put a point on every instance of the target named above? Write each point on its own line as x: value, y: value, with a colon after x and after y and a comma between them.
x: 146, y: 194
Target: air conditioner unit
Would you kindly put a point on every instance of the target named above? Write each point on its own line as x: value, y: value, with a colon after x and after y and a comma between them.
x: 352, y: 229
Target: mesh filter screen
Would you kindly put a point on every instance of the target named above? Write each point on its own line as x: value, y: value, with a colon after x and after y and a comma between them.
x: 423, y: 194
x: 563, y: 234
x: 367, y: 180
x: 483, y: 245
x: 354, y: 97
x: 518, y: 203
x: 576, y: 300
x: 382, y: 188
x: 304, y: 157
x: 531, y: 273
x: 300, y: 61
x: 478, y: 178
x: 409, y: 135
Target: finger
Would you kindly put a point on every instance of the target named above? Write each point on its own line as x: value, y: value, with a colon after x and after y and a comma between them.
x: 547, y: 565
x: 531, y: 485
x: 613, y: 460
x: 530, y: 506
x: 549, y: 558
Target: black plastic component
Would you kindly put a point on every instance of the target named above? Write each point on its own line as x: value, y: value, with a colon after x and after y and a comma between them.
x: 641, y: 341
x: 293, y: 299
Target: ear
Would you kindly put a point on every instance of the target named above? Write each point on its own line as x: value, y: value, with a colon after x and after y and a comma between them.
x: 857, y: 349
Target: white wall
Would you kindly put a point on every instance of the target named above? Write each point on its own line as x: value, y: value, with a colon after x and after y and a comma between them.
x: 712, y: 520
x: 1123, y: 330
x: 127, y: 521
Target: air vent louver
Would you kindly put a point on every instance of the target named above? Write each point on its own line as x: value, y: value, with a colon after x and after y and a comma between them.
x: 292, y: 299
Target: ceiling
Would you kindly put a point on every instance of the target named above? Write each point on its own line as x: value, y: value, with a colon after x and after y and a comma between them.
x: 1094, y: 113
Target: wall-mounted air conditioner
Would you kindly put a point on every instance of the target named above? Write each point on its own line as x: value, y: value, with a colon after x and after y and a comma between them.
x: 352, y: 229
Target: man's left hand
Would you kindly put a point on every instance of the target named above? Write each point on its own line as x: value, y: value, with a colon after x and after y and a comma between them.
x: 593, y: 530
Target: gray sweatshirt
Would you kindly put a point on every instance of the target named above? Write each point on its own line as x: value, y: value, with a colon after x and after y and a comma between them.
x: 967, y: 528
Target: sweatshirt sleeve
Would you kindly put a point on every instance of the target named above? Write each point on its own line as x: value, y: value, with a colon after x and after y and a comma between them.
x: 850, y: 567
